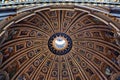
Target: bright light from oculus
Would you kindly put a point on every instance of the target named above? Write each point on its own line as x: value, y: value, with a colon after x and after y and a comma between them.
x: 60, y: 43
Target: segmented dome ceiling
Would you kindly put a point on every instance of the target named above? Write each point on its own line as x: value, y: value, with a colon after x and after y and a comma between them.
x: 94, y: 54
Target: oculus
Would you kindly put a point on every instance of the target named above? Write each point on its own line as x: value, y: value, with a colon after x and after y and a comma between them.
x: 60, y: 43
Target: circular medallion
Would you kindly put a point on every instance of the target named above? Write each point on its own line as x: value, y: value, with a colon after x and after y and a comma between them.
x: 60, y: 43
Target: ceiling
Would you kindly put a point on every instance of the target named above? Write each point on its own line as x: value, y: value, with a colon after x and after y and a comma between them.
x: 94, y: 53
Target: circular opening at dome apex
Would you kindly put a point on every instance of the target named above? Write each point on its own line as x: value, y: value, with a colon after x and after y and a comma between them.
x: 60, y: 43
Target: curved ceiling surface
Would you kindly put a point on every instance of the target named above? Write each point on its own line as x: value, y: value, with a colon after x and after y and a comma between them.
x: 60, y: 44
